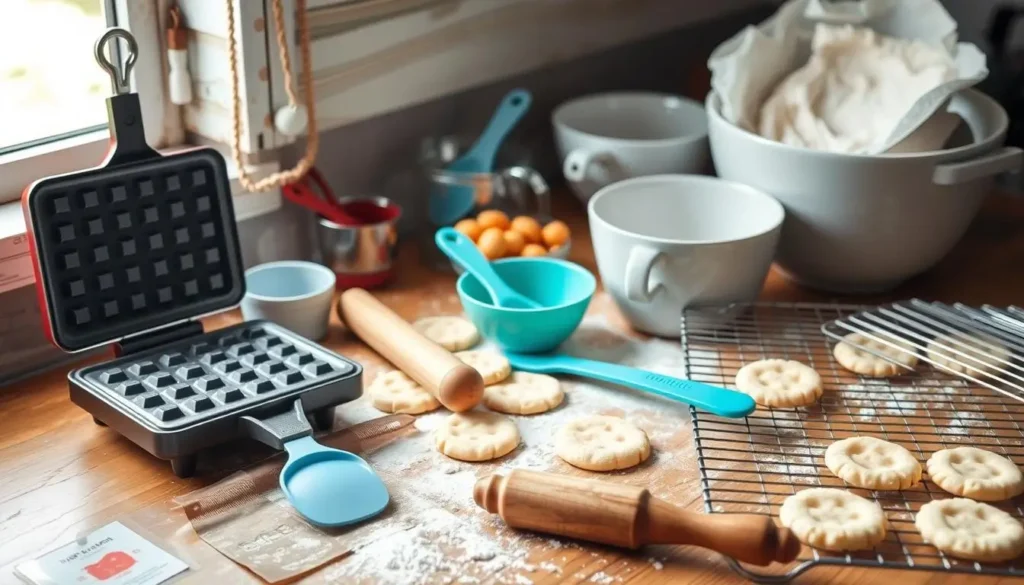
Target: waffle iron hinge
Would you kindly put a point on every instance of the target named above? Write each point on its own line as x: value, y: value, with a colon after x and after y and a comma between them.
x: 163, y: 336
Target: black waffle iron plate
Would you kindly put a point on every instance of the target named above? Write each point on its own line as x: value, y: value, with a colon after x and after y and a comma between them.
x: 133, y: 253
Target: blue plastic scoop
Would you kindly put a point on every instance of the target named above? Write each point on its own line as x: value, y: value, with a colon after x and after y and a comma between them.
x: 451, y: 203
x: 329, y: 487
x: 464, y: 252
x: 713, y: 399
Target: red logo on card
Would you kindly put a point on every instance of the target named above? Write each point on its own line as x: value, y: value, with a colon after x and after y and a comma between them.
x: 110, y: 565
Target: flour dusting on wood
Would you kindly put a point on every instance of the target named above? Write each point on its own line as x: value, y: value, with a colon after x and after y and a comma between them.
x: 453, y: 541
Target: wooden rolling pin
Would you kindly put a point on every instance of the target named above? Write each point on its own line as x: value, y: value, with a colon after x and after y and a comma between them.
x: 627, y: 516
x: 456, y: 385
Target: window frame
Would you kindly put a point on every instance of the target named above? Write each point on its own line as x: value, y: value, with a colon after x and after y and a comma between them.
x: 21, y: 167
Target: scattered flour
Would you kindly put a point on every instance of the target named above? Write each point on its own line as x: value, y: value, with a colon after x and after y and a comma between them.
x: 550, y: 567
x: 452, y: 537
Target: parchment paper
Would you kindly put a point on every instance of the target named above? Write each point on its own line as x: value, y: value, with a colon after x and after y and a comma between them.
x: 747, y: 67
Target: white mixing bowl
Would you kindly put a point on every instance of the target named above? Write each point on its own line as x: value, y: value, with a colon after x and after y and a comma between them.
x: 860, y: 223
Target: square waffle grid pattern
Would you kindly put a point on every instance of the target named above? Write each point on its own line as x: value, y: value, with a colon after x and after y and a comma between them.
x: 152, y: 245
x: 225, y: 371
x: 752, y: 465
x: 976, y: 344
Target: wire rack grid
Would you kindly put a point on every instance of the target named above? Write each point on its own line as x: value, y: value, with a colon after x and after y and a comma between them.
x: 971, y: 343
x: 751, y: 465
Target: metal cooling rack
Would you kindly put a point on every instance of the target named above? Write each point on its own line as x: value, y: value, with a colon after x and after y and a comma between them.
x: 975, y: 344
x: 751, y: 465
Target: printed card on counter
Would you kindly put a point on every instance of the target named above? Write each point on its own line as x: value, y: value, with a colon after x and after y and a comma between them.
x: 112, y: 555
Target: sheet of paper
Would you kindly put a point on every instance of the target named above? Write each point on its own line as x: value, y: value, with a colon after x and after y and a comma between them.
x: 111, y: 555
x: 748, y: 66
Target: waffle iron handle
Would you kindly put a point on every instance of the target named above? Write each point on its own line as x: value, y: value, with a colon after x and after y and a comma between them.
x: 124, y: 113
x: 280, y: 428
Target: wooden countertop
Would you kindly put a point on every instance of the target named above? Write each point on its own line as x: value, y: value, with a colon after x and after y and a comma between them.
x: 61, y: 473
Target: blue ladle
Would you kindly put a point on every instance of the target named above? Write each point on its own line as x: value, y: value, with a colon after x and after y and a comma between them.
x: 329, y: 487
x: 713, y: 399
x: 450, y: 203
x: 464, y: 252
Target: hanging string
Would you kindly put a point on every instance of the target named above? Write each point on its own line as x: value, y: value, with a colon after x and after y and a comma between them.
x: 300, y: 169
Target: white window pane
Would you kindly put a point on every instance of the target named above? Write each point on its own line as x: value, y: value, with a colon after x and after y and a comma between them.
x: 50, y: 83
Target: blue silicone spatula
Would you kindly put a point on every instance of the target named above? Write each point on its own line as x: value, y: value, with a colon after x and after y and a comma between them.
x: 464, y: 252
x: 713, y: 399
x: 450, y: 203
x: 329, y: 487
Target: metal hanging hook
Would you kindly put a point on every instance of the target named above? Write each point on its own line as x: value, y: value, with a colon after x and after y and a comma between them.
x: 119, y: 73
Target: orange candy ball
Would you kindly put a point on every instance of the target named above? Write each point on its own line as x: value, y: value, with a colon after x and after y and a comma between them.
x: 469, y: 228
x: 533, y: 250
x: 492, y: 243
x: 529, y: 228
x: 555, y: 233
x: 514, y: 243
x: 492, y: 218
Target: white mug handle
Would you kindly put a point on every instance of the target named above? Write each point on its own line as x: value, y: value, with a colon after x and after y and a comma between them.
x: 638, y: 274
x: 578, y: 162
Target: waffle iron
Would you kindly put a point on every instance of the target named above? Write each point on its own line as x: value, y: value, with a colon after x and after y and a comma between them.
x: 133, y: 253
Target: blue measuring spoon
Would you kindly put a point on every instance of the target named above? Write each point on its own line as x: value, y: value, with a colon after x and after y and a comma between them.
x: 449, y: 203
x: 464, y: 252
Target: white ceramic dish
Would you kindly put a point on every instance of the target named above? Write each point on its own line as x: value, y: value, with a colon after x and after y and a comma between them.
x: 607, y: 137
x: 669, y: 241
x: 294, y: 294
x: 860, y: 223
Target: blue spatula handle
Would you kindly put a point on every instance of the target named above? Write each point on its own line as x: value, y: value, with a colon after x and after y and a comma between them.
x: 464, y: 252
x: 713, y: 399
x: 513, y: 107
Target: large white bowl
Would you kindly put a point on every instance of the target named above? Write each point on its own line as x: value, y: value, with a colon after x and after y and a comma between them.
x: 859, y: 223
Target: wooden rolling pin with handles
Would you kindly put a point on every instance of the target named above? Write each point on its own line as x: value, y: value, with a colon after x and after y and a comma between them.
x: 627, y: 516
x: 456, y: 385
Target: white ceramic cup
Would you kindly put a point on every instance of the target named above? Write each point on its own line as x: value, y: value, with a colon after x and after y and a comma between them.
x: 608, y: 137
x: 292, y: 293
x: 665, y: 242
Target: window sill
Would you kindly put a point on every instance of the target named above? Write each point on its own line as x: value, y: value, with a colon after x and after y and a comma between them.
x: 15, y: 261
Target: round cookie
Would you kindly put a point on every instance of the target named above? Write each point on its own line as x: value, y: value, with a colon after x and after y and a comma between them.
x: 602, y: 443
x: 874, y: 464
x: 451, y: 333
x: 975, y: 473
x: 779, y: 383
x: 850, y: 355
x: 990, y: 354
x: 476, y: 436
x: 970, y: 530
x: 833, y: 519
x: 396, y: 393
x: 524, y: 393
x: 493, y: 367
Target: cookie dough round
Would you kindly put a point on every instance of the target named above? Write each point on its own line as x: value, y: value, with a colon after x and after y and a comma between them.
x: 975, y: 473
x: 451, y: 333
x: 493, y: 367
x: 990, y: 354
x: 779, y: 383
x: 602, y: 443
x: 970, y: 530
x: 851, y: 354
x: 396, y: 393
x: 476, y: 436
x: 874, y: 464
x: 524, y: 393
x: 833, y: 519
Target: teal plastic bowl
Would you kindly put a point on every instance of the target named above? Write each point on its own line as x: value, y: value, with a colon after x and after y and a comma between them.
x: 563, y: 288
